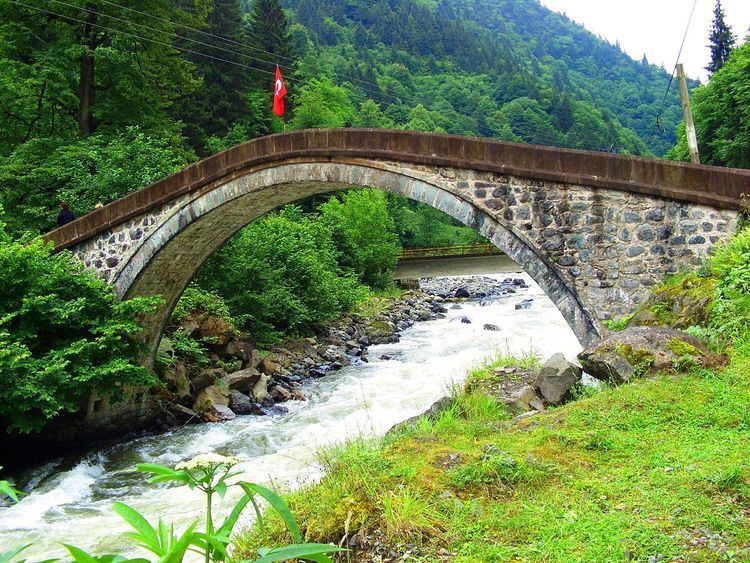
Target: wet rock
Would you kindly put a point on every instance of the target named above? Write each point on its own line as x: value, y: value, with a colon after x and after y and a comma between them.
x: 525, y: 304
x: 276, y: 410
x: 556, y: 379
x: 462, y: 293
x: 491, y: 327
x: 640, y: 351
x: 184, y: 414
x: 465, y: 320
x: 212, y: 403
x: 243, y: 380
x: 280, y: 394
x: 241, y: 404
x: 259, y: 391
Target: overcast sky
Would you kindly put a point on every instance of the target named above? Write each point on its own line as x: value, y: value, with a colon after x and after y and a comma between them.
x: 655, y: 27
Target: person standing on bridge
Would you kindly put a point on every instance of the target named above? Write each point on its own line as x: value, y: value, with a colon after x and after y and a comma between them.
x: 65, y: 216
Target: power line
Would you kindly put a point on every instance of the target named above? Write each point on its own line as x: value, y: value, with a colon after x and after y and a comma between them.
x: 71, y: 18
x: 679, y: 54
x: 243, y: 45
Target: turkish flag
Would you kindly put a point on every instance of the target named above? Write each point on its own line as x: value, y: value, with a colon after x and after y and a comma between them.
x: 279, y: 91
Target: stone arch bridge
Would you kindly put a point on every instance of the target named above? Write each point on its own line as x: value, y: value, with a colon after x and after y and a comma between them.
x: 594, y: 230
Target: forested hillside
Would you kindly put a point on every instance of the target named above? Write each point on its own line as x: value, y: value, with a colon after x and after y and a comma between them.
x: 100, y: 98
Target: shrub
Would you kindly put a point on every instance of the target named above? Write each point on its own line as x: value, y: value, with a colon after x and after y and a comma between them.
x: 63, y: 334
x: 281, y: 272
x: 364, y: 235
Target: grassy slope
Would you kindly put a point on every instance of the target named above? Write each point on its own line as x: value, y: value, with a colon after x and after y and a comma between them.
x: 658, y: 466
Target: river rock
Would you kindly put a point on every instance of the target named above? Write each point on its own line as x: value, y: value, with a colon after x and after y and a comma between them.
x: 260, y: 389
x: 523, y: 400
x: 462, y: 293
x: 525, y: 304
x: 465, y: 320
x: 270, y: 367
x: 280, y: 394
x: 212, y: 403
x: 206, y: 377
x: 491, y: 327
x: 640, y: 351
x: 556, y: 379
x: 242, y: 380
x: 177, y: 381
x: 241, y: 403
x: 238, y: 350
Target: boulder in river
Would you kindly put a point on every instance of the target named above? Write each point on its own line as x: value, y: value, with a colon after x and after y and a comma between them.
x: 260, y: 389
x: 465, y: 320
x: 206, y: 377
x: 212, y: 403
x: 462, y: 293
x: 241, y: 403
x: 556, y: 380
x: 491, y: 327
x: 525, y: 304
x: 640, y: 351
x: 243, y: 380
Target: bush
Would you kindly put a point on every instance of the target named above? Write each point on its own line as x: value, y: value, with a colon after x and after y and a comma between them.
x: 63, y: 334
x: 364, y: 235
x: 281, y: 272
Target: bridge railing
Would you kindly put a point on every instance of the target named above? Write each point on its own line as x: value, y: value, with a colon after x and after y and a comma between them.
x: 466, y: 250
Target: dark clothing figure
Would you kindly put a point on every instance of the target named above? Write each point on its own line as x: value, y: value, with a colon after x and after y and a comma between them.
x: 65, y: 216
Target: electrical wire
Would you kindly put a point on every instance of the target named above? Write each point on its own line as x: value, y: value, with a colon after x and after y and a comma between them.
x: 240, y: 44
x: 671, y: 77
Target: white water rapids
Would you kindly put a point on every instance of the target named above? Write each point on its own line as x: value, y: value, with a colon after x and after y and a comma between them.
x: 70, y: 500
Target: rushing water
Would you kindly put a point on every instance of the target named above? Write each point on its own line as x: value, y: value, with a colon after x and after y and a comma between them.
x: 70, y: 500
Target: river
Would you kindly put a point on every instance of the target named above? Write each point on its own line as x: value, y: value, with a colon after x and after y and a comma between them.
x: 70, y: 499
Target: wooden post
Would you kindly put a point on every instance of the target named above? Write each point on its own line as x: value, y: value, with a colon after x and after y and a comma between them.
x: 692, y: 138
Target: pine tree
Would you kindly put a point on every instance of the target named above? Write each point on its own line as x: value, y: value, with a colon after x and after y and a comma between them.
x: 221, y: 102
x: 721, y: 40
x: 266, y: 30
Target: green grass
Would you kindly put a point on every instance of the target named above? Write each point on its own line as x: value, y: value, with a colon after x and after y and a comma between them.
x: 376, y: 301
x: 660, y: 466
x: 633, y: 471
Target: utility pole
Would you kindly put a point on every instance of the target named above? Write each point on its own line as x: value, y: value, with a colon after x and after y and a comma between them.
x: 687, y: 111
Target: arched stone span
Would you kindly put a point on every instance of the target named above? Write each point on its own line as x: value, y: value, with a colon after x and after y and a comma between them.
x: 595, y: 231
x: 167, y: 259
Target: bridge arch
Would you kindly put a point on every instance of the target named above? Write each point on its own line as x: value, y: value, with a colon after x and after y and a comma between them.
x: 594, y: 230
x: 166, y: 261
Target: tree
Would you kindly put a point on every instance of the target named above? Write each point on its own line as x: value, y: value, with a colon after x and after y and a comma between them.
x: 321, y: 104
x: 221, y: 101
x: 722, y: 115
x: 63, y: 335
x: 721, y: 40
x: 370, y: 115
x: 267, y: 32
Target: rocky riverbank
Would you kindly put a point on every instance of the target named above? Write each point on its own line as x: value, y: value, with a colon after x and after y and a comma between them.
x: 242, y: 379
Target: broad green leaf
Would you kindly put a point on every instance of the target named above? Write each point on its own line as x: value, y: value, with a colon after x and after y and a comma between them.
x: 145, y: 533
x: 299, y: 551
x: 278, y: 505
x: 228, y: 525
x: 78, y: 555
x: 221, y: 489
x: 6, y: 556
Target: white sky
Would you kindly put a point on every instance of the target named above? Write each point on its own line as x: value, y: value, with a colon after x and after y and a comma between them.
x: 656, y: 27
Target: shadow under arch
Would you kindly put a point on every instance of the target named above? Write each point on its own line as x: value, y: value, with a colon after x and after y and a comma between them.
x: 169, y: 257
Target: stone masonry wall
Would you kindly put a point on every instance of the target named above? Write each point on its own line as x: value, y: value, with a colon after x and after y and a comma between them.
x: 602, y: 248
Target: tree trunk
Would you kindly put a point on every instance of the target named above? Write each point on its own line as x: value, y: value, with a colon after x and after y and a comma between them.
x: 86, y: 84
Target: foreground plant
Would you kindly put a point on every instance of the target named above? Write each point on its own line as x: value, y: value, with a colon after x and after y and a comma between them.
x: 208, y: 473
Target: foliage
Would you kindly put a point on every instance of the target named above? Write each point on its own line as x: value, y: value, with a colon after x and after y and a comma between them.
x: 721, y: 111
x: 419, y: 225
x: 7, y: 490
x: 282, y: 272
x: 364, y: 235
x: 42, y: 172
x: 322, y: 104
x: 210, y: 474
x: 197, y: 301
x: 721, y: 40
x: 63, y: 335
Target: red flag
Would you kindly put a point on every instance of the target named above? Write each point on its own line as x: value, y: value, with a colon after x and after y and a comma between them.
x: 279, y: 91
